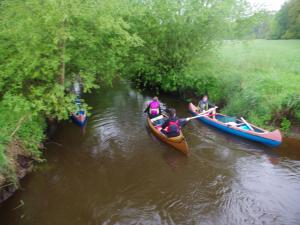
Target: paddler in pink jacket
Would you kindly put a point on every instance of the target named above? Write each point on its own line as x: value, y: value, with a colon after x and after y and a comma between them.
x: 153, y: 109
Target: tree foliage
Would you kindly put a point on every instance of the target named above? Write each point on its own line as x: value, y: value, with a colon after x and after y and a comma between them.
x: 287, y: 21
x: 256, y: 26
x: 262, y: 24
x: 19, y: 125
x: 174, y: 33
x: 45, y: 46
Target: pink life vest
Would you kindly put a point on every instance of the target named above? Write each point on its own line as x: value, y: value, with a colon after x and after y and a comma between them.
x: 154, y: 108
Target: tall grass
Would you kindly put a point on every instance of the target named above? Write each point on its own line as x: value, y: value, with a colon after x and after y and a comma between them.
x: 261, y: 80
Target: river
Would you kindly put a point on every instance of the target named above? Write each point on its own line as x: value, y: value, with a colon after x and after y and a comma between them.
x: 116, y: 172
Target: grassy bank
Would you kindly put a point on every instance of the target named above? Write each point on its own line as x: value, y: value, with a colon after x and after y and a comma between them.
x: 22, y: 131
x: 260, y: 79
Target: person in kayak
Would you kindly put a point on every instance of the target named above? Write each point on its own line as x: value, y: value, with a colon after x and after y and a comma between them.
x: 173, y: 125
x: 153, y: 109
x: 204, y: 104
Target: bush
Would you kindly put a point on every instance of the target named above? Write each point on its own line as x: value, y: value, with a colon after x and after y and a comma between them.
x: 19, y: 123
x: 285, y: 124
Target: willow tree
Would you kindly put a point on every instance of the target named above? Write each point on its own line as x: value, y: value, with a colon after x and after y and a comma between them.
x: 45, y: 45
x: 174, y: 33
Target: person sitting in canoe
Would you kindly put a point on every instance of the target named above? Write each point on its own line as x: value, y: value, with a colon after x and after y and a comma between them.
x: 153, y: 109
x: 172, y: 126
x: 204, y: 104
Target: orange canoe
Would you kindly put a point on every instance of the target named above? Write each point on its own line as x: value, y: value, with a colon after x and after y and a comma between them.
x: 178, y: 143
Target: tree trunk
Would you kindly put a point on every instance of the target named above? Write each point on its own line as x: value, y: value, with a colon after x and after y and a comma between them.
x: 63, y: 66
x: 63, y: 52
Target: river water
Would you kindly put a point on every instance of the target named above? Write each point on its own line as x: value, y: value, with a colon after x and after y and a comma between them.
x: 116, y: 172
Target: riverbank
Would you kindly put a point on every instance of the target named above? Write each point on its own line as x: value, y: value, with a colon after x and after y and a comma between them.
x: 20, y: 163
x: 257, y: 79
x: 20, y: 158
x: 22, y: 133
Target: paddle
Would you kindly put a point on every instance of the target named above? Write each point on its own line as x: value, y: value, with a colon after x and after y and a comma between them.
x: 157, y: 118
x: 189, y: 118
x: 248, y: 125
x: 201, y: 114
x: 195, y: 117
x: 160, y: 117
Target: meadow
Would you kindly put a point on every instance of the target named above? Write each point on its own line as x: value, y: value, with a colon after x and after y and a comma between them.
x: 260, y: 79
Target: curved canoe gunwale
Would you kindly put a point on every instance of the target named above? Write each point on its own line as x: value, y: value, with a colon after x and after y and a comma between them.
x: 273, y: 138
x: 179, y: 143
x: 238, y: 128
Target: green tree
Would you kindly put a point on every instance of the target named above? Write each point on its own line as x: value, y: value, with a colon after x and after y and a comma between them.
x: 173, y: 34
x: 45, y: 45
x: 286, y: 24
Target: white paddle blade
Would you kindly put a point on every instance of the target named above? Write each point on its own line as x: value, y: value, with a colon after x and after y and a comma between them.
x: 157, y: 118
x: 248, y: 125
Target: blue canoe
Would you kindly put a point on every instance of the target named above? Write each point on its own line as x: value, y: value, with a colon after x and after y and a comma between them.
x: 80, y: 118
x: 239, y: 128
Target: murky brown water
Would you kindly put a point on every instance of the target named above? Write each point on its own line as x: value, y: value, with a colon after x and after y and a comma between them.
x: 116, y: 172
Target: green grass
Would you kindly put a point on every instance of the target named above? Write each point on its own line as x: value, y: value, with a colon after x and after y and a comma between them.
x: 261, y: 79
x: 267, y: 55
x: 20, y: 126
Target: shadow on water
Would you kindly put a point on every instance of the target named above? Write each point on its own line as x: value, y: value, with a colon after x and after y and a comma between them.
x: 117, y: 172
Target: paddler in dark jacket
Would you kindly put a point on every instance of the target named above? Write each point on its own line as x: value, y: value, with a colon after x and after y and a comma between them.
x: 204, y: 105
x: 173, y: 125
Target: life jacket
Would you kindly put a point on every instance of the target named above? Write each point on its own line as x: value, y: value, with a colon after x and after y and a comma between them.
x: 81, y: 115
x: 173, y: 126
x: 154, y: 108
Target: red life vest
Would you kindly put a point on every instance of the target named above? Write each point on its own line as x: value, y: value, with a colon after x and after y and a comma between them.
x: 154, y: 108
x: 173, y: 126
